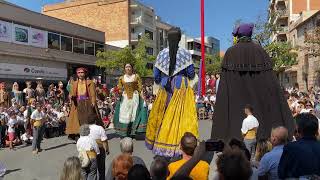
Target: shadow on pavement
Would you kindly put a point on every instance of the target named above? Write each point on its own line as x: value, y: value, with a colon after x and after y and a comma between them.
x: 113, y: 135
x: 140, y: 137
x: 59, y: 146
x: 11, y: 171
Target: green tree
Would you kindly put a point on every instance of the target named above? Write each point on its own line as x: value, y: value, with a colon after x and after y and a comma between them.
x: 282, y: 54
x: 115, y: 60
x: 213, y: 64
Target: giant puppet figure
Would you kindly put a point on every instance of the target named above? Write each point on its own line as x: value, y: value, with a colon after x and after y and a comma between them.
x: 29, y: 92
x: 17, y: 94
x: 5, y: 99
x: 130, y: 117
x: 247, y: 78
x: 83, y: 103
x: 174, y: 110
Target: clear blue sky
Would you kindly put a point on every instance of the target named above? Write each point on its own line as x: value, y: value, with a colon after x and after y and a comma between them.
x: 220, y: 14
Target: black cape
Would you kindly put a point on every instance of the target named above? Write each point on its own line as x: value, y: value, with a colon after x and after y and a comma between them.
x: 247, y: 78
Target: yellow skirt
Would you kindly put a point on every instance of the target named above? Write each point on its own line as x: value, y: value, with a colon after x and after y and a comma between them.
x: 166, y: 125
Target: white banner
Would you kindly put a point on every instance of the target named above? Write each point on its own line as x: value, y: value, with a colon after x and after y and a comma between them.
x: 5, y: 31
x: 38, y: 38
x: 34, y: 71
x: 20, y: 34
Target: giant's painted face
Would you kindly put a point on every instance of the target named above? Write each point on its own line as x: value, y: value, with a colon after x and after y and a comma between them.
x: 128, y: 69
x: 2, y: 85
x: 15, y: 86
x: 81, y: 74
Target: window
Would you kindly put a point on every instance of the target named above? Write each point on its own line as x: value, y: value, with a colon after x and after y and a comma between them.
x: 149, y: 34
x: 89, y: 48
x: 197, y: 46
x: 66, y: 43
x: 132, y: 30
x: 161, y: 37
x: 78, y: 46
x: 149, y: 50
x: 99, y: 47
x: 190, y: 45
x: 53, y: 41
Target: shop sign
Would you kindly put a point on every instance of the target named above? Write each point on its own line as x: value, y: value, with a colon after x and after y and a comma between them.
x: 34, y: 71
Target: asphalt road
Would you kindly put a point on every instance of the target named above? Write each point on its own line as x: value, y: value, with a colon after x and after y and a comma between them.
x: 47, y: 165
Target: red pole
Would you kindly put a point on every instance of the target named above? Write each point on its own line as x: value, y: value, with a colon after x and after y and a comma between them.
x: 203, y: 66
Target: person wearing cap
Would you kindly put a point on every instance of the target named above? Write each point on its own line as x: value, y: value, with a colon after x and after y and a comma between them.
x: 247, y: 77
x: 83, y: 103
x: 37, y: 122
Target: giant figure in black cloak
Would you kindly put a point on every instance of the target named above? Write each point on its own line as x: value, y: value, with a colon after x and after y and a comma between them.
x: 247, y: 78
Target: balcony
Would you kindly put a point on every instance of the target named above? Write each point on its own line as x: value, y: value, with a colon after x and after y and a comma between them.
x: 135, y: 20
x: 283, y: 13
x: 283, y: 30
x: 281, y: 38
x: 135, y: 37
x: 134, y: 6
x: 281, y: 3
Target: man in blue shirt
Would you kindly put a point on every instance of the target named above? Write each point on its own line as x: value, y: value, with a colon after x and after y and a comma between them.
x: 302, y: 158
x: 268, y: 167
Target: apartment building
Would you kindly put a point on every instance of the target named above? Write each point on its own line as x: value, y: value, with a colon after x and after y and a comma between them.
x: 193, y: 45
x: 292, y: 19
x: 123, y: 21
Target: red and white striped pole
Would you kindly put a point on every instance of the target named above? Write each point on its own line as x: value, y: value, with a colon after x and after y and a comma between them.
x: 203, y: 50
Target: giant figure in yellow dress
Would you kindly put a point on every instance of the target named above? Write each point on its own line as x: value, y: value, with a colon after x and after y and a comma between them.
x: 174, y: 110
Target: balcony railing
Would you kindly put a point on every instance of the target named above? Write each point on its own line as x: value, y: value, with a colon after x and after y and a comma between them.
x: 284, y: 29
x: 282, y: 13
x: 135, y: 36
x: 135, y: 20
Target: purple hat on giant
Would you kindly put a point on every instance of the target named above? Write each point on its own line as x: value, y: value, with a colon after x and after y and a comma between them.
x: 243, y: 30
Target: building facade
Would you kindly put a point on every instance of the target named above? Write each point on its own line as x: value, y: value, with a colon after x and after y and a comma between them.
x: 34, y: 46
x: 285, y: 12
x: 193, y: 45
x: 289, y: 18
x: 306, y: 72
x: 123, y: 21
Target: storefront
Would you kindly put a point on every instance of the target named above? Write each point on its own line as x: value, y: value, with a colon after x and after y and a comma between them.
x: 20, y: 73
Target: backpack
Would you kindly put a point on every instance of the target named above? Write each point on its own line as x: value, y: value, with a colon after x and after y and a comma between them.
x: 84, y: 159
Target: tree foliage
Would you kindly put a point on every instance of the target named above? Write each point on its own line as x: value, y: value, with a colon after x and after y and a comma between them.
x: 213, y: 64
x: 115, y: 60
x: 282, y: 54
